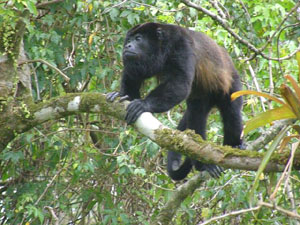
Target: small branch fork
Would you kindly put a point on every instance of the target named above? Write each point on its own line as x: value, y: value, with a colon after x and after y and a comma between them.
x: 224, y: 24
x: 260, y: 205
x: 66, y: 78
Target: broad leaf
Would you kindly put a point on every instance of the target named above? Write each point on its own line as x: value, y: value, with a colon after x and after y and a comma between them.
x: 265, y: 161
x: 294, y: 84
x: 291, y: 98
x: 298, y: 60
x: 283, y: 112
x: 237, y: 94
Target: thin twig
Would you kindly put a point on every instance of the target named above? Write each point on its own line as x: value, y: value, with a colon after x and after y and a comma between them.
x: 43, y: 4
x: 280, y: 25
x: 271, y: 85
x: 256, y: 85
x: 114, y: 6
x: 67, y: 79
x: 277, y: 41
x: 70, y: 58
x: 224, y: 24
x: 170, y: 118
x: 230, y: 214
x: 48, y: 186
x: 54, y: 216
x: 284, y: 211
x: 215, y: 5
x: 284, y: 175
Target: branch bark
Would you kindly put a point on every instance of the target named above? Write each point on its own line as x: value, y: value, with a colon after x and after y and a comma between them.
x: 167, y: 213
x: 188, y: 143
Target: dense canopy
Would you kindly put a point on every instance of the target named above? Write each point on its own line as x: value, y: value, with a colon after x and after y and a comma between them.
x: 68, y: 157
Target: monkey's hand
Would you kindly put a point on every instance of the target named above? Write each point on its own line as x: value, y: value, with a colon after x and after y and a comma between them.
x: 213, y: 170
x: 110, y: 97
x: 135, y: 109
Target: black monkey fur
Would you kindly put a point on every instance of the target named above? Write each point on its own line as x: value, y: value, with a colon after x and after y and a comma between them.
x: 191, y: 67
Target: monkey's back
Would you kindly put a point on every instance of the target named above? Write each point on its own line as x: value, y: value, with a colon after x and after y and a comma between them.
x: 214, y: 68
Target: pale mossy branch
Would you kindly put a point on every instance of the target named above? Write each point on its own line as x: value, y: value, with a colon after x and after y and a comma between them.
x: 16, y: 119
x: 187, y: 142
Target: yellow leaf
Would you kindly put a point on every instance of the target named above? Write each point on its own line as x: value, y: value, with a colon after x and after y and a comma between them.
x: 90, y: 7
x: 205, y: 213
x: 262, y: 176
x: 251, y: 101
x: 141, y: 8
x: 294, y: 84
x: 237, y: 94
x: 27, y: 223
x: 91, y: 38
x: 291, y: 98
x: 297, y: 128
x: 283, y: 112
x: 286, y: 140
x: 298, y: 60
x: 181, y: 6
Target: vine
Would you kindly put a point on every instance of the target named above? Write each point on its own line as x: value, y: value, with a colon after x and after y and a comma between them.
x: 7, y: 35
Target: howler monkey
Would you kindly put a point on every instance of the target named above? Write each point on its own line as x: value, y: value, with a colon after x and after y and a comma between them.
x: 190, y: 66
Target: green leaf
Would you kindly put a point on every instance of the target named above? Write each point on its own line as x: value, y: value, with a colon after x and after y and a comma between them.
x: 32, y: 210
x: 294, y: 82
x: 291, y: 98
x: 265, y: 161
x: 131, y: 18
x: 283, y: 112
x: 31, y: 6
x: 298, y: 60
x: 15, y: 157
x: 125, y: 13
x: 140, y: 171
x: 114, y: 13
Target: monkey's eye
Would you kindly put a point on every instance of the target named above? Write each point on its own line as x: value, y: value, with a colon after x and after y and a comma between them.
x: 138, y: 37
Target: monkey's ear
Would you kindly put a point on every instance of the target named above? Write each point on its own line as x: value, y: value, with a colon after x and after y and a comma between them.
x: 160, y: 33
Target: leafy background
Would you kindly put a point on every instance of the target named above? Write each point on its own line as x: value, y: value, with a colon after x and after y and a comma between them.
x: 93, y: 169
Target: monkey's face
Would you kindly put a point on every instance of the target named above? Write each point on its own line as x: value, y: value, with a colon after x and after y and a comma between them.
x: 136, y: 47
x: 143, y: 53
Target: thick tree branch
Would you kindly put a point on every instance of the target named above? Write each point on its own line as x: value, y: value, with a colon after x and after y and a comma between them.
x: 167, y: 213
x: 187, y: 142
x: 16, y: 119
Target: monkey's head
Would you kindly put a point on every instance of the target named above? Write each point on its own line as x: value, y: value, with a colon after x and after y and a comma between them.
x: 150, y: 48
x: 143, y: 42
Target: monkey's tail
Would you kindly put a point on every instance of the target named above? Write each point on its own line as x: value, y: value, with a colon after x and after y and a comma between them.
x: 175, y: 170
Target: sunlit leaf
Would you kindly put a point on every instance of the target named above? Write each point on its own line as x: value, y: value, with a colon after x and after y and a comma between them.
x: 294, y: 84
x: 91, y: 38
x: 265, y: 162
x: 140, y: 8
x: 298, y: 60
x: 286, y: 140
x: 291, y: 98
x: 90, y: 7
x: 206, y: 212
x: 297, y: 128
x: 237, y: 94
x: 31, y: 6
x: 283, y: 112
